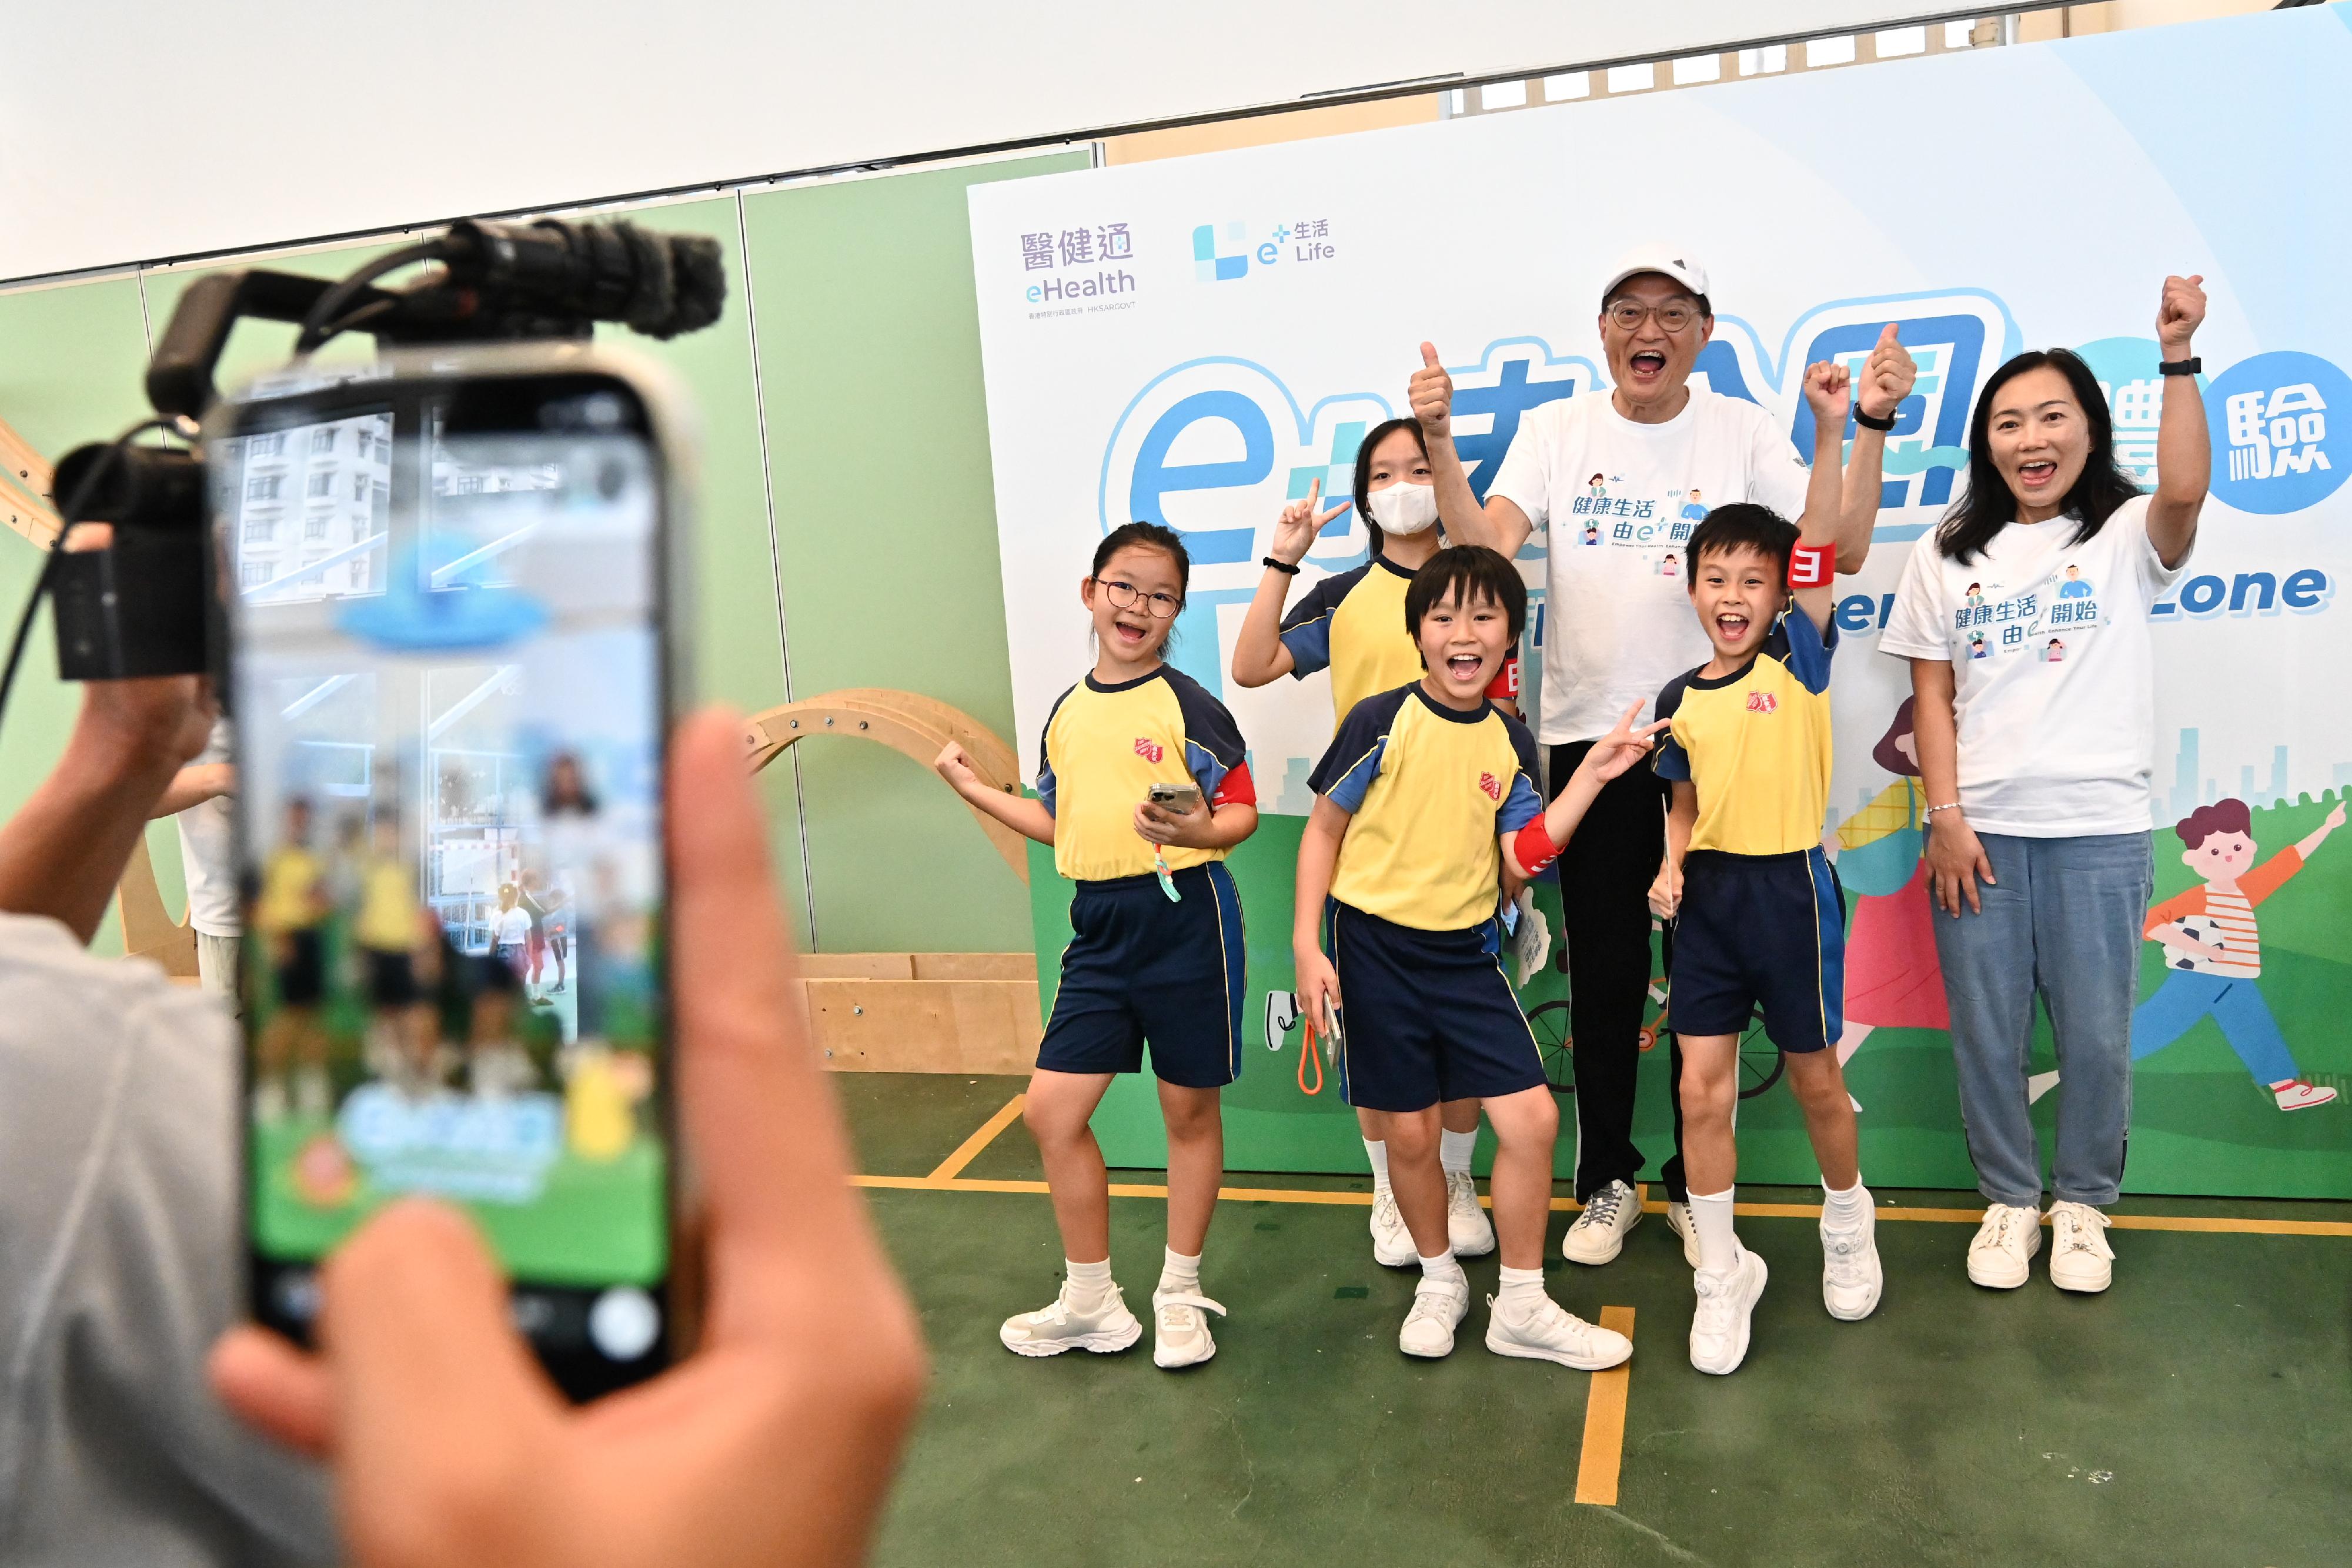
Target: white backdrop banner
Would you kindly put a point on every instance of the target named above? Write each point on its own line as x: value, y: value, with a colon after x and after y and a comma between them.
x: 1194, y: 341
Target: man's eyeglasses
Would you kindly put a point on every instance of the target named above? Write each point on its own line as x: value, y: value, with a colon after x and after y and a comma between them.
x: 1627, y: 314
x: 1123, y: 595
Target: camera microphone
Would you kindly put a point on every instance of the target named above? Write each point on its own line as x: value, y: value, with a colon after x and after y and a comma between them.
x: 658, y: 283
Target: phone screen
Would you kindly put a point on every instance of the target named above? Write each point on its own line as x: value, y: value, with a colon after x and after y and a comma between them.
x: 448, y: 689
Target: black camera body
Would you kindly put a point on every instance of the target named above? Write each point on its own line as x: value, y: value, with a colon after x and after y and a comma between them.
x: 149, y: 603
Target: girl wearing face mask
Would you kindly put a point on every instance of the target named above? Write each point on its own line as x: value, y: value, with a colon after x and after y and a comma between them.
x: 2037, y: 771
x: 1353, y: 625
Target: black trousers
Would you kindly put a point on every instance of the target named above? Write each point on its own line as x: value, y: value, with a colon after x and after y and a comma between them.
x: 1604, y: 885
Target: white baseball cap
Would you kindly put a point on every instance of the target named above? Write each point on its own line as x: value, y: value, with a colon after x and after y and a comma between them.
x: 1657, y: 255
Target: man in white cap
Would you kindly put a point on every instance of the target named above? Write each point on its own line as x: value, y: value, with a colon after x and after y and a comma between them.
x: 1617, y: 628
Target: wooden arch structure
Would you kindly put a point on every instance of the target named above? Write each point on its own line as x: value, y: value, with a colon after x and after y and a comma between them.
x: 914, y: 725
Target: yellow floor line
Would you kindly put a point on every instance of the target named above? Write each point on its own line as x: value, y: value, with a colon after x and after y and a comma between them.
x: 1604, y: 1421
x: 2177, y: 1222
x: 952, y: 1166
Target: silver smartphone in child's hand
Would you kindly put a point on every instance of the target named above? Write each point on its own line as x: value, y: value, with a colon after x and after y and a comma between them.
x: 1180, y: 798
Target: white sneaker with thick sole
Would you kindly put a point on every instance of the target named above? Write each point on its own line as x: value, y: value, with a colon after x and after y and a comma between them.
x: 1852, y: 1279
x: 2001, y: 1254
x: 1180, y: 1328
x: 1057, y: 1327
x: 1547, y: 1331
x: 2080, y: 1258
x: 1678, y: 1220
x: 2298, y: 1095
x: 1438, y: 1307
x: 1598, y: 1233
x: 1466, y: 1224
x: 1392, y: 1245
x: 1727, y: 1300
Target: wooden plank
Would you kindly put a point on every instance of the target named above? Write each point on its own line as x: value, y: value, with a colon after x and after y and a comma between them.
x: 925, y: 1026
x: 857, y: 966
x: 1021, y: 967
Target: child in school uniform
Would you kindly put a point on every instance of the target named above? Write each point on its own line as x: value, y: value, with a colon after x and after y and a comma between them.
x: 1759, y: 916
x: 1352, y: 624
x: 1427, y: 816
x: 1156, y: 954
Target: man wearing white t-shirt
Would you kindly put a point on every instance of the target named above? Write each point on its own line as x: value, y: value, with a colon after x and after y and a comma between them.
x: 201, y: 797
x: 1617, y: 482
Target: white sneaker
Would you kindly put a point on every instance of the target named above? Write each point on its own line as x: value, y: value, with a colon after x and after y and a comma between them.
x: 2005, y: 1245
x: 1438, y: 1305
x: 1727, y: 1299
x: 1392, y: 1245
x: 2080, y: 1258
x: 1678, y: 1220
x: 1598, y: 1233
x: 2297, y: 1095
x: 1547, y: 1331
x: 1180, y: 1328
x: 1851, y: 1277
x: 1466, y: 1224
x: 1053, y: 1329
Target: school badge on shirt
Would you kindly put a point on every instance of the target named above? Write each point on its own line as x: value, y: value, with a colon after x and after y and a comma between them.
x: 1149, y: 749
x: 1491, y: 785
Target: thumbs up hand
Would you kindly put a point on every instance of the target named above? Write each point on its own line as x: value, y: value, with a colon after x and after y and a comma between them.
x: 1429, y: 394
x: 1886, y: 376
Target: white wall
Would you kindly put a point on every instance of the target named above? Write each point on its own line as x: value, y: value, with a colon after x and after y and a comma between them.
x: 131, y: 132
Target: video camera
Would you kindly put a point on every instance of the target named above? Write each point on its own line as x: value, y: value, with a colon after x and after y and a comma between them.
x: 149, y: 604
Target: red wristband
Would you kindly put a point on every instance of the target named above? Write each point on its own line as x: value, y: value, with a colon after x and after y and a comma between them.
x: 1810, y: 566
x: 1534, y: 847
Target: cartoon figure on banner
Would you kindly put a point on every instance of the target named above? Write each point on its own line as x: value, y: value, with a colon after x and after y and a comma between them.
x: 2074, y: 587
x: 1694, y: 509
x: 1599, y: 492
x: 1978, y: 647
x: 1892, y: 980
x: 1592, y: 532
x: 2055, y: 653
x: 2213, y: 948
x: 1975, y: 595
x: 1670, y: 567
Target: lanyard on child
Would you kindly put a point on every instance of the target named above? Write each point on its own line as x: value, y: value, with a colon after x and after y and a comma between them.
x: 1159, y: 870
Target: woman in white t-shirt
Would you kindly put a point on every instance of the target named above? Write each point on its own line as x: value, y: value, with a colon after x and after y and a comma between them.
x: 2025, y: 618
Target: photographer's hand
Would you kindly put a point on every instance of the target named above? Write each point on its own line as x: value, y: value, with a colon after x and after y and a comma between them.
x: 63, y: 851
x: 771, y: 1445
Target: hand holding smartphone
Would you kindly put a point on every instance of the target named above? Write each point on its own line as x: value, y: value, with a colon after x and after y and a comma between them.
x: 450, y: 588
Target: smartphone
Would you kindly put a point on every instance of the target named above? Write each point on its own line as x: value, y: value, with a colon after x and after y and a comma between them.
x: 1180, y: 798
x: 450, y: 586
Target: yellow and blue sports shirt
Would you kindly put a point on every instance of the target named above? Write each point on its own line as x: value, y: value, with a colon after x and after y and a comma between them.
x: 1106, y: 746
x: 1756, y: 743
x: 1352, y: 624
x: 1432, y: 791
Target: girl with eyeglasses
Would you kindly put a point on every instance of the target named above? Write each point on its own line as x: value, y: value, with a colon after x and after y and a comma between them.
x: 1156, y: 952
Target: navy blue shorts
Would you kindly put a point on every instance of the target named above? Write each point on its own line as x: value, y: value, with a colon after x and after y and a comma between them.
x: 1425, y: 1016
x: 1141, y: 968
x: 1765, y: 930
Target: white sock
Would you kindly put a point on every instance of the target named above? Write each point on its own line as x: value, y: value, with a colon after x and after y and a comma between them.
x: 1444, y: 1266
x: 1454, y: 1149
x: 1377, y: 1154
x: 1180, y: 1272
x: 1843, y: 1210
x: 1089, y: 1283
x: 1718, y: 1247
x: 1522, y: 1288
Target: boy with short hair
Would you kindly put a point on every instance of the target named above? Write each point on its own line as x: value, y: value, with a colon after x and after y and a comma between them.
x: 1427, y: 813
x: 1759, y: 916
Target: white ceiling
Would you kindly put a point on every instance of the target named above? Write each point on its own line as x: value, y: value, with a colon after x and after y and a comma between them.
x: 128, y: 132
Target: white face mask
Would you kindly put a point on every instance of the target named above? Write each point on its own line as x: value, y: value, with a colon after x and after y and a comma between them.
x: 1404, y: 507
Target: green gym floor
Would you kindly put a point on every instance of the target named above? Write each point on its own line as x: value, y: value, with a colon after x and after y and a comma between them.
x: 2199, y: 1413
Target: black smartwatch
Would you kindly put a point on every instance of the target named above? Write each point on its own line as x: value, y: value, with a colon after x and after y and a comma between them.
x: 2190, y: 366
x: 1282, y: 566
x: 1870, y: 422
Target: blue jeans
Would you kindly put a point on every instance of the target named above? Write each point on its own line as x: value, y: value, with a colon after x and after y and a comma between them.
x: 2236, y: 1005
x: 2063, y: 919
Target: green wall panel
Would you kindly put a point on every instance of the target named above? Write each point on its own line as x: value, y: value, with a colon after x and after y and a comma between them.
x: 886, y: 526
